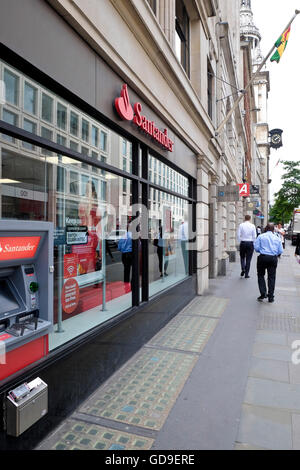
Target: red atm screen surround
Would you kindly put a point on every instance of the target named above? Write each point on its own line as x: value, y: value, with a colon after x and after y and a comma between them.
x: 14, y: 248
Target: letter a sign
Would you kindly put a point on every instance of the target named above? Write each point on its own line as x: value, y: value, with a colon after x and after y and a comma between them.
x: 244, y: 190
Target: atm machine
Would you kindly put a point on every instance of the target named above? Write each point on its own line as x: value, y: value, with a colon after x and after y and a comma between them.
x: 26, y: 292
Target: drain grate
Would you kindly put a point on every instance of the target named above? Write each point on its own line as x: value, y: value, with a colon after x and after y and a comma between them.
x: 279, y: 321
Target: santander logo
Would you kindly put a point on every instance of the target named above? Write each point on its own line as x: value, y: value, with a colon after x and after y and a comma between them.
x: 18, y: 247
x: 125, y: 111
x: 123, y: 105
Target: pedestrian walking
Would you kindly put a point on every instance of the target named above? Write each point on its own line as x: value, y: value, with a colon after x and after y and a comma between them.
x: 297, y: 250
x: 281, y: 234
x: 269, y: 247
x: 246, y: 237
x: 125, y: 246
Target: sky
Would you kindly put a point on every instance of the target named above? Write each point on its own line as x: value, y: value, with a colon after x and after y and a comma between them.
x: 271, y: 17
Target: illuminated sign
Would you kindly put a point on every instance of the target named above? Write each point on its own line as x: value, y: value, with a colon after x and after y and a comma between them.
x: 127, y: 113
x: 18, y: 247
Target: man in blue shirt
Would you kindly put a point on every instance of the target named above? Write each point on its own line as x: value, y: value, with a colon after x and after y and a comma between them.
x: 125, y: 246
x: 270, y: 247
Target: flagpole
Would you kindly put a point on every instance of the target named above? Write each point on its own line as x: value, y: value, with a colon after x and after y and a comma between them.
x: 236, y: 103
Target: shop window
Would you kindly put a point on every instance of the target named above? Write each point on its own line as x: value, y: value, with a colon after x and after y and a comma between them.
x: 61, y: 116
x: 11, y: 87
x: 182, y: 36
x: 30, y: 98
x: 47, y: 108
x: 10, y: 118
x: 168, y: 245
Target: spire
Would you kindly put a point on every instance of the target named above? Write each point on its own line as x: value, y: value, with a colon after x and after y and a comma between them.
x: 246, y: 3
x: 249, y: 32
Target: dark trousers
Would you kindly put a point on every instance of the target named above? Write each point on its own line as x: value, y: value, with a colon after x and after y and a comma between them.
x: 246, y: 253
x: 269, y: 263
x: 160, y: 259
x: 185, y: 255
x: 127, y: 262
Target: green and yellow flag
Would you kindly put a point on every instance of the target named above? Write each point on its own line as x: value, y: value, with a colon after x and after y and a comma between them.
x: 281, y: 44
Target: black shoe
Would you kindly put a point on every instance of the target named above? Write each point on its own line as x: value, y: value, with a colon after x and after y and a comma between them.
x: 261, y: 298
x: 166, y: 274
x: 243, y: 273
x: 247, y: 277
x: 271, y: 299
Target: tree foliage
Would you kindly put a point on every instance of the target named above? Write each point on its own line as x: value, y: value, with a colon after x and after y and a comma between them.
x: 288, y: 197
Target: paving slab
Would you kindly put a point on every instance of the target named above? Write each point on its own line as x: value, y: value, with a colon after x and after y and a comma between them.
x: 269, y: 369
x: 271, y: 337
x: 265, y: 427
x: 268, y: 393
x: 296, y: 431
x: 272, y: 351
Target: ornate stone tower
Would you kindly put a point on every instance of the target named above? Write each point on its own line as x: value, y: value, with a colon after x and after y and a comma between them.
x: 261, y: 86
x: 249, y: 31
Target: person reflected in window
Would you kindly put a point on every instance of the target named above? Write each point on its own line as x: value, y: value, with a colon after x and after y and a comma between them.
x: 125, y: 247
x: 183, y: 236
x: 161, y: 253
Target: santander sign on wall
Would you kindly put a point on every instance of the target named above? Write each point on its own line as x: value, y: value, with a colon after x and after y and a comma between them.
x: 127, y: 113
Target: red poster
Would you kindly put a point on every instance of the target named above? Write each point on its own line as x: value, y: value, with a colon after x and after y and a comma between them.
x: 70, y: 265
x: 70, y: 296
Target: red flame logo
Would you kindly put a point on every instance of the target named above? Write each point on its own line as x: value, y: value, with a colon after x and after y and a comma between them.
x: 123, y: 105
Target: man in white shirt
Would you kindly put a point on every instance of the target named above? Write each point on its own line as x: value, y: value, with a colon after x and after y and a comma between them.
x: 246, y: 237
x: 183, y: 236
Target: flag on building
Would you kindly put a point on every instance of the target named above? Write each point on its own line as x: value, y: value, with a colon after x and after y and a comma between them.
x: 281, y: 44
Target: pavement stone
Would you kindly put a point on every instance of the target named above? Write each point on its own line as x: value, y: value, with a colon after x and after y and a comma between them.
x: 269, y: 369
x: 266, y: 428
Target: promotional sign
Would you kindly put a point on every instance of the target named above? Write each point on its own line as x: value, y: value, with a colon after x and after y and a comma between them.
x: 127, y: 113
x: 244, y: 190
x: 76, y: 235
x: 254, y: 189
x: 70, y: 265
x: 13, y: 248
x: 70, y: 296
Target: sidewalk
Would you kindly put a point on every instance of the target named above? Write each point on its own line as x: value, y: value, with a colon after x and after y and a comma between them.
x: 217, y: 376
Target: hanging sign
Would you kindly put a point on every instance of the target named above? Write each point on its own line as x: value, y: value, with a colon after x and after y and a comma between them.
x: 227, y: 193
x: 244, y: 190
